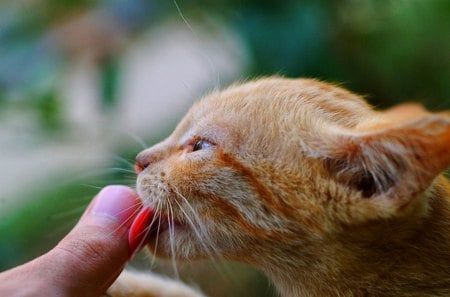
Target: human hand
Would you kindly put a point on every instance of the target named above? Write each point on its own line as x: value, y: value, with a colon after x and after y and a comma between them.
x: 88, y: 260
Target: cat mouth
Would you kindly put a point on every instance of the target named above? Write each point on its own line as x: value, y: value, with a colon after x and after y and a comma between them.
x: 147, y: 225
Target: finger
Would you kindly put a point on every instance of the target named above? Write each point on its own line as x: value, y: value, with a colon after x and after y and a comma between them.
x: 89, y: 258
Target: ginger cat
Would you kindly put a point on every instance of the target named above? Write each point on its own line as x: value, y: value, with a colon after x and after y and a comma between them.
x: 308, y: 183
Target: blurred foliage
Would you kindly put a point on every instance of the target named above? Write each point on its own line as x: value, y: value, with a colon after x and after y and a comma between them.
x: 36, y: 226
x: 54, y: 209
x: 393, y: 51
x: 31, y: 60
x: 110, y: 78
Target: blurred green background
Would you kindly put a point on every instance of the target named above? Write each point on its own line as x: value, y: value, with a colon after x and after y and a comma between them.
x: 85, y: 85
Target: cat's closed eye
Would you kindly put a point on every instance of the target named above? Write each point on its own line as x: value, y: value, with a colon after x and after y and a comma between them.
x: 201, y: 144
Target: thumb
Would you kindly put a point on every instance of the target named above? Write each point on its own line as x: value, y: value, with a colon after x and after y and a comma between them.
x: 93, y: 254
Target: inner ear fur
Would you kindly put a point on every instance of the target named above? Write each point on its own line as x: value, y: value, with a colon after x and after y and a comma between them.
x: 395, y: 161
x: 369, y: 182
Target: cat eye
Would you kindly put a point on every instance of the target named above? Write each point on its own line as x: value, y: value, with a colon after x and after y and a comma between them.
x: 201, y: 144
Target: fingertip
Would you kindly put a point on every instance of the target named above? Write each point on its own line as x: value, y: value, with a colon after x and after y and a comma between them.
x: 97, y: 247
x: 116, y: 202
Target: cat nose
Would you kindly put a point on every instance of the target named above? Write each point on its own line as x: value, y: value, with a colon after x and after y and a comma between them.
x: 142, y: 162
x: 145, y: 158
x: 138, y: 167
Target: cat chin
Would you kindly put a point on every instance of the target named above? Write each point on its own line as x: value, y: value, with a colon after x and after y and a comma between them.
x: 179, y: 239
x: 182, y: 253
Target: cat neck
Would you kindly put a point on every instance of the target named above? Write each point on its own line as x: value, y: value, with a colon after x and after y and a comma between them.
x: 416, y: 265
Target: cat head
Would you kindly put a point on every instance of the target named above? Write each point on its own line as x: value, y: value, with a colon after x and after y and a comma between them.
x: 287, y: 164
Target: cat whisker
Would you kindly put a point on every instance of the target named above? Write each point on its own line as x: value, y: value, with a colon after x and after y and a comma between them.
x: 208, y: 58
x: 139, y: 203
x: 118, y: 169
x: 125, y: 161
x: 138, y: 140
x: 92, y: 187
x: 95, y: 173
x: 197, y: 219
x: 158, y: 217
x: 157, y: 234
x: 145, y: 232
x: 215, y: 253
x: 128, y: 219
x: 68, y: 213
x: 208, y: 247
x: 196, y: 231
x: 171, y: 223
x: 128, y: 179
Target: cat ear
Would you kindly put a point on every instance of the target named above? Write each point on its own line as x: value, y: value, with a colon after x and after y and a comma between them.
x: 391, y: 160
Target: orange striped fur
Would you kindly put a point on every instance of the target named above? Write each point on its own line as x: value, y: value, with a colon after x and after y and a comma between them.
x: 310, y: 184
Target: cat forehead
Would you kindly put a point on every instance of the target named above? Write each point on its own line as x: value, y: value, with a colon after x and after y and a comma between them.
x: 280, y: 99
x: 271, y: 116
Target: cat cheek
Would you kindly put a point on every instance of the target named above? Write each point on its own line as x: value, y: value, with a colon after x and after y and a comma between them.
x: 150, y: 187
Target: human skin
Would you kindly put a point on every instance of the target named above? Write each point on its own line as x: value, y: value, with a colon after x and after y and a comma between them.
x: 75, y: 266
